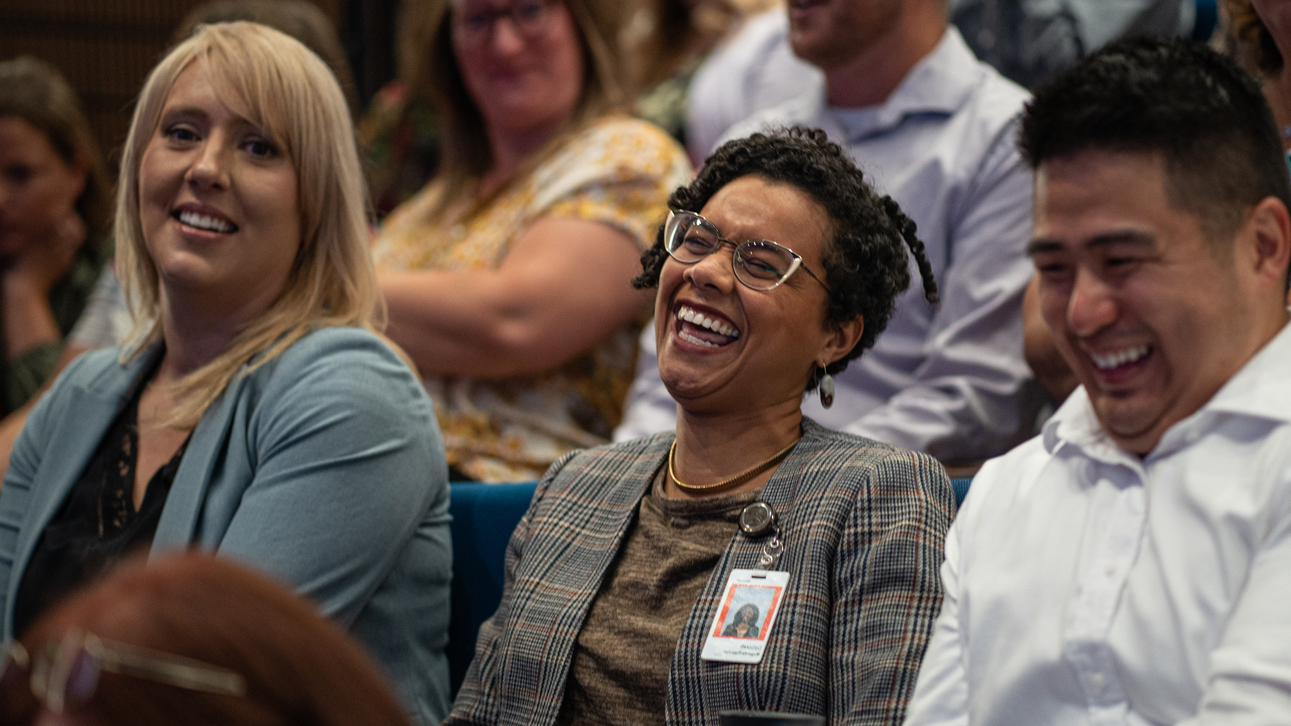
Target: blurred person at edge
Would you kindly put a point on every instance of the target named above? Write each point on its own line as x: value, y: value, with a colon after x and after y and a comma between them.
x: 620, y: 564
x: 256, y: 412
x: 508, y: 278
x: 935, y: 129
x: 190, y: 640
x: 104, y: 319
x: 55, y: 214
x: 669, y: 40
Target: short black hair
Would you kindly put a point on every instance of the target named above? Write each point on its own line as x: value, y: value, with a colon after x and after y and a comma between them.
x: 865, y: 261
x: 1205, y: 116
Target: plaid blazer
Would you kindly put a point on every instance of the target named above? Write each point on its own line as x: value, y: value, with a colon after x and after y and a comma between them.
x: 863, y: 525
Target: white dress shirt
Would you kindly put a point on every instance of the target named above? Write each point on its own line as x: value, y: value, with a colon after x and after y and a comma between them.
x: 950, y: 380
x: 1086, y: 585
x: 754, y: 70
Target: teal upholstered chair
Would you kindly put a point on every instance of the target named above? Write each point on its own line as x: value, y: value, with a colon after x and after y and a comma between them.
x: 484, y: 516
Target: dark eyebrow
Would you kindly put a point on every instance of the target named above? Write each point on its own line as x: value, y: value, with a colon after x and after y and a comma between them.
x: 1136, y: 238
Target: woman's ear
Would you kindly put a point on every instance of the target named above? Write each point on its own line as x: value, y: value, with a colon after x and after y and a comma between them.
x: 840, y: 342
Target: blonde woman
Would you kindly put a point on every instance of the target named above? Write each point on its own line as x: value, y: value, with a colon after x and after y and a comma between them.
x: 508, y: 278
x: 257, y: 413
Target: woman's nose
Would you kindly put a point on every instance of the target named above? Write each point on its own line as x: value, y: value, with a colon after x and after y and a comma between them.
x: 716, y: 270
x: 210, y: 166
x: 505, y: 37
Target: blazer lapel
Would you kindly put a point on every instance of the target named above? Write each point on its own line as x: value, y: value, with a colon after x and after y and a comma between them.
x: 183, y: 507
x: 75, y: 437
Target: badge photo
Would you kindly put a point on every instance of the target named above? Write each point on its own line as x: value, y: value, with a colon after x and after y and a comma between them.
x: 747, y: 613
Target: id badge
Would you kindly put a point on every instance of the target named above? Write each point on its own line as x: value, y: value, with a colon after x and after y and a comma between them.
x: 750, y: 602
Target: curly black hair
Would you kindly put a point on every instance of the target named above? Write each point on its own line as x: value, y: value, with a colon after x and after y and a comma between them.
x: 865, y: 263
x: 1205, y: 116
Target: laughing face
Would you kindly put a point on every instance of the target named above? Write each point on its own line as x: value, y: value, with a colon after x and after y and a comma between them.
x: 725, y: 347
x: 1150, y: 314
x: 218, y: 203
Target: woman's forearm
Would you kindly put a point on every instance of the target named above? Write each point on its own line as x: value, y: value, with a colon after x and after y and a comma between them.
x: 564, y: 286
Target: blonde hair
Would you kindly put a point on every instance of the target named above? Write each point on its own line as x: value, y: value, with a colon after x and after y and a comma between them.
x: 291, y: 95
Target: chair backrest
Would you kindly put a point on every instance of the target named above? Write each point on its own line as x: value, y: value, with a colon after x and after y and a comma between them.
x: 484, y: 516
x: 961, y: 488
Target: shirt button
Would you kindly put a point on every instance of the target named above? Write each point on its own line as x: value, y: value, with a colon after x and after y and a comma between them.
x: 1098, y: 680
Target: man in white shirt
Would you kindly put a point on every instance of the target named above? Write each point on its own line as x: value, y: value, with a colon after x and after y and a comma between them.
x: 1132, y: 565
x: 935, y: 129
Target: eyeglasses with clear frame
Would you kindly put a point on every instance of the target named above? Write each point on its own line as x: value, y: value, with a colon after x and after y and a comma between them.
x: 474, y: 24
x: 759, y: 264
x: 66, y: 674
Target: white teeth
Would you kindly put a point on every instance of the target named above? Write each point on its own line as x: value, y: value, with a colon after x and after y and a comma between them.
x: 202, y: 221
x: 716, y: 326
x: 1114, y: 360
x: 690, y: 338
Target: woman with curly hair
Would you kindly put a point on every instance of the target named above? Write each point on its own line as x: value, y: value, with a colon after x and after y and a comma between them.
x: 616, y: 574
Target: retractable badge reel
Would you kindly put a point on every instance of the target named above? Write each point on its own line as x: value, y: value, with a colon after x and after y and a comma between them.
x: 751, y: 598
x: 757, y: 521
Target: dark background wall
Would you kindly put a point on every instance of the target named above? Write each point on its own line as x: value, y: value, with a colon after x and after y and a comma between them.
x: 106, y: 47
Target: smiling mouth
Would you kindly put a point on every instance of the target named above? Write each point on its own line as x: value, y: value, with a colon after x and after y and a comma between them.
x: 204, y: 222
x: 1119, y: 359
x: 694, y: 327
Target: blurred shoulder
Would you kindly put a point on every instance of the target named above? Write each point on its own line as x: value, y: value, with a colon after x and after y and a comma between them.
x: 629, y: 145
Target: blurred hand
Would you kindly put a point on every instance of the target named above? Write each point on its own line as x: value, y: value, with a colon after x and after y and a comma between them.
x: 42, y: 263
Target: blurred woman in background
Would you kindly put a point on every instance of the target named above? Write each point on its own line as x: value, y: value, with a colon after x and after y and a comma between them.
x: 190, y: 640
x: 508, y: 277
x: 55, y: 214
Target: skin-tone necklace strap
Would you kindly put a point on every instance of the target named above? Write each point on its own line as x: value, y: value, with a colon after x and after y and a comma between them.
x: 734, y: 481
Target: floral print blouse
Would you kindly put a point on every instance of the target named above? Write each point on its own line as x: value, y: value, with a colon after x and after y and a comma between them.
x: 618, y: 171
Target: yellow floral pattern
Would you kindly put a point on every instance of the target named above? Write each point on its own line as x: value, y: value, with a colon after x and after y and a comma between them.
x: 618, y: 171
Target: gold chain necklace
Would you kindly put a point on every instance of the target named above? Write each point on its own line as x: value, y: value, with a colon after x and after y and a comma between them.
x: 727, y: 483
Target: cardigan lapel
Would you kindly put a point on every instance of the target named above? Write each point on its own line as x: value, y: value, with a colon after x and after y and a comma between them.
x: 183, y: 506
x: 88, y: 413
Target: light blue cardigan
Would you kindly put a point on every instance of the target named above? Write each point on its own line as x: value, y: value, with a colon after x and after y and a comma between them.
x: 323, y: 467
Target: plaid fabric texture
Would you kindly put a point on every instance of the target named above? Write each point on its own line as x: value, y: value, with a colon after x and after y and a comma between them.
x: 863, y: 525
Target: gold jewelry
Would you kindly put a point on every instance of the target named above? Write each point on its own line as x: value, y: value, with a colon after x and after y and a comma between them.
x: 727, y: 483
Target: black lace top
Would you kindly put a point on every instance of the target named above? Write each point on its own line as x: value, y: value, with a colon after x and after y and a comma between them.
x: 97, y: 524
